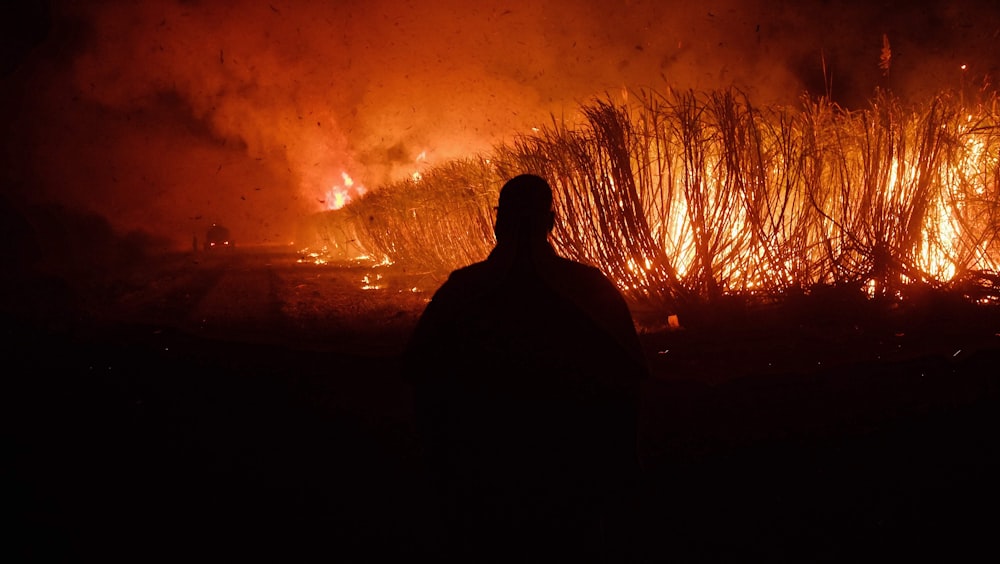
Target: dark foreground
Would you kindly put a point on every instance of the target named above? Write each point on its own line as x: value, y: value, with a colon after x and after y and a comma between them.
x: 145, y: 443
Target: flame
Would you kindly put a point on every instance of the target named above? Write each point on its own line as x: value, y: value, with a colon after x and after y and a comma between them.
x: 416, y: 175
x: 339, y: 195
x: 936, y: 255
x: 889, y: 203
x: 338, y: 198
x: 369, y: 282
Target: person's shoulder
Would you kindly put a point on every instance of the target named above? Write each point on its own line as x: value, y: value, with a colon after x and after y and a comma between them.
x: 464, y: 280
x: 581, y: 267
x: 584, y: 273
x: 588, y: 284
x: 474, y: 269
x: 470, y: 274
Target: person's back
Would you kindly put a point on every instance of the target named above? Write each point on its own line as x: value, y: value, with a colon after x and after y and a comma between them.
x: 526, y: 367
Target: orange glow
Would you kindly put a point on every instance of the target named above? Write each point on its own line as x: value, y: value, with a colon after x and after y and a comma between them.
x: 340, y: 195
x: 248, y: 111
x: 721, y: 197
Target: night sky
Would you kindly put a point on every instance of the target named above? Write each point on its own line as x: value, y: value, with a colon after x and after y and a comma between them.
x: 167, y: 116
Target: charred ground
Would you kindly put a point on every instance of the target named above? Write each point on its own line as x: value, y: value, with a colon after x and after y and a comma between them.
x: 249, y: 405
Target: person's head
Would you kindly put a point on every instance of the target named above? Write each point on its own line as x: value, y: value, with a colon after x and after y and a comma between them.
x: 524, y: 212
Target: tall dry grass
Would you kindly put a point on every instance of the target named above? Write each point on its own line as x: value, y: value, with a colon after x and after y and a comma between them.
x: 685, y: 197
x: 438, y: 223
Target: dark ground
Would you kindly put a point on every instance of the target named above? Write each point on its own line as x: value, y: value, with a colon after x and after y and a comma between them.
x: 813, y: 433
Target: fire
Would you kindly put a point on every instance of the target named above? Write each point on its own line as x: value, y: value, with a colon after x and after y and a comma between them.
x: 339, y: 195
x: 708, y: 196
x: 369, y: 282
x: 742, y: 263
x: 338, y: 198
x: 416, y: 175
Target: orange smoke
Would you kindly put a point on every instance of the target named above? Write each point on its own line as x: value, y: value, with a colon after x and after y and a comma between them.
x: 169, y: 115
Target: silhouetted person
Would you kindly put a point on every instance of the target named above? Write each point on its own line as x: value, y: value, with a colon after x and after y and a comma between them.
x: 526, y: 369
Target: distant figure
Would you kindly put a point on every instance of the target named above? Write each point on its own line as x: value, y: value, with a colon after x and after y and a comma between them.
x: 526, y: 368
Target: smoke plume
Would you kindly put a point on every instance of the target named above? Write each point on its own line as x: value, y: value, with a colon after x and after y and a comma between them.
x: 169, y: 115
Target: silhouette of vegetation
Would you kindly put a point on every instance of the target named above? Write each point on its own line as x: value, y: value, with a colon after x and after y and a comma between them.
x: 684, y: 198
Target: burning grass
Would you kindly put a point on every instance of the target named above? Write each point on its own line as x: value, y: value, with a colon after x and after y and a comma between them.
x: 687, y: 198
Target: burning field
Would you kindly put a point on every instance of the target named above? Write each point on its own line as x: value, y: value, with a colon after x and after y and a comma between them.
x: 168, y: 116
x: 799, y: 200
x: 682, y: 198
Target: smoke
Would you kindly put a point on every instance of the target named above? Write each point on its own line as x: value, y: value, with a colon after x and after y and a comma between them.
x: 171, y: 115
